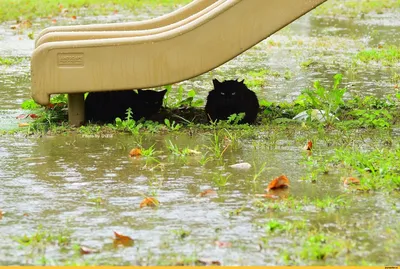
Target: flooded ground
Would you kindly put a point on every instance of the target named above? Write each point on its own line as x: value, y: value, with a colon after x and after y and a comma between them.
x: 60, y: 193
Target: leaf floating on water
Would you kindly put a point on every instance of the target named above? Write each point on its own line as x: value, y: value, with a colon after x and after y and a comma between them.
x: 85, y: 250
x: 135, y: 152
x: 21, y: 116
x: 279, y: 182
x: 150, y: 202
x: 123, y: 240
x: 208, y: 262
x: 243, y: 166
x: 73, y: 17
x: 308, y: 146
x: 222, y: 244
x: 350, y: 181
x: 23, y: 124
x: 1, y: 214
x: 208, y: 192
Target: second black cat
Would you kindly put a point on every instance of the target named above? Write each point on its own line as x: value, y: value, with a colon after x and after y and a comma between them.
x: 231, y: 97
x: 106, y: 106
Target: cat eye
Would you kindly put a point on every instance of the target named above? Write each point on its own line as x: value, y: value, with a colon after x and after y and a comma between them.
x: 222, y: 93
x: 233, y: 93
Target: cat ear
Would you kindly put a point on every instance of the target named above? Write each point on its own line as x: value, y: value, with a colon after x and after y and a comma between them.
x: 240, y: 81
x: 216, y: 82
x: 163, y: 92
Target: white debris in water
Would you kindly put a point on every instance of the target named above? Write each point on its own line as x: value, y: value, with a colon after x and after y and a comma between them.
x: 314, y: 115
x: 243, y: 166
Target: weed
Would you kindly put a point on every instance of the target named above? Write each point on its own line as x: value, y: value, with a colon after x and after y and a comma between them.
x: 221, y: 180
x: 172, y: 125
x: 387, y: 55
x: 10, y: 60
x: 326, y: 101
x: 181, y: 233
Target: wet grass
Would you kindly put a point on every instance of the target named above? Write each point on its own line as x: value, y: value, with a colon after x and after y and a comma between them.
x: 388, y: 55
x: 8, y: 61
x: 354, y: 8
x: 21, y: 10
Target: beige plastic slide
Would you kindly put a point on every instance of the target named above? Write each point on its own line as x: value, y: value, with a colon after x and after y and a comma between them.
x: 85, y: 35
x: 167, y: 19
x: 158, y: 58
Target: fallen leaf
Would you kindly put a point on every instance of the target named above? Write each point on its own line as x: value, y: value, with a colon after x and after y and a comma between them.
x: 33, y: 116
x: 350, y: 181
x: 135, y: 152
x: 208, y: 262
x: 115, y: 12
x: 243, y: 166
x: 53, y: 21
x: 222, y: 244
x: 279, y: 182
x: 308, y: 146
x: 85, y: 250
x: 150, y: 202
x: 208, y: 192
x: 22, y: 116
x: 1, y: 214
x: 73, y: 17
x: 25, y: 215
x: 23, y: 124
x: 193, y: 152
x: 123, y: 240
x: 396, y: 86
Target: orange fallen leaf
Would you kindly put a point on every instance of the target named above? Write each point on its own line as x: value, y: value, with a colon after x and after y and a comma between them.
x: 208, y: 192
x: 396, y: 86
x: 23, y: 124
x: 150, y: 202
x: 350, y: 181
x: 135, y: 152
x: 123, y: 240
x: 222, y: 244
x: 53, y: 21
x: 308, y: 146
x: 115, y: 12
x: 73, y: 17
x: 33, y: 116
x: 25, y: 215
x: 1, y: 214
x: 85, y: 250
x: 279, y: 182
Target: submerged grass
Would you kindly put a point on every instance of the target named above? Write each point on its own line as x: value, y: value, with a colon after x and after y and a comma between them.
x: 353, y: 8
x: 19, y: 10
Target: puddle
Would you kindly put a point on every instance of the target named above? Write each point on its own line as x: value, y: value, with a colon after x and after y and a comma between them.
x: 57, y: 181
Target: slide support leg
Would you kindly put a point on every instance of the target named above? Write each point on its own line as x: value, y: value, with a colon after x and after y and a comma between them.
x: 76, y: 109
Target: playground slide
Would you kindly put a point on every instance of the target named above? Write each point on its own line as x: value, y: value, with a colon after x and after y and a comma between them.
x: 167, y: 19
x: 75, y: 67
x: 86, y: 35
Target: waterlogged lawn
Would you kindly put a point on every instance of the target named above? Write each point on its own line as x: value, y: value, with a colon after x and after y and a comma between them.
x: 322, y: 189
x: 18, y: 10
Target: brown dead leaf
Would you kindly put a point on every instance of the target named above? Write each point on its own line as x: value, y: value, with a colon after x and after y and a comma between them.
x: 222, y: 244
x: 85, y: 250
x: 208, y: 262
x: 135, y: 152
x: 279, y: 182
x: 23, y: 124
x: 53, y: 21
x: 150, y: 202
x: 208, y: 192
x: 123, y: 240
x: 308, y: 146
x: 1, y: 214
x: 73, y: 17
x: 350, y: 181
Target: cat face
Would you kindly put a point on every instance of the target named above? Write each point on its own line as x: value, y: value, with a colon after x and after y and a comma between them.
x: 229, y: 91
x: 151, y: 98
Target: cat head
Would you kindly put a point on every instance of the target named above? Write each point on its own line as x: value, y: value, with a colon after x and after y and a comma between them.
x: 229, y: 88
x: 152, y: 98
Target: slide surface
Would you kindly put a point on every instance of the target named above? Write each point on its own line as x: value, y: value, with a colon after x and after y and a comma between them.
x: 161, y: 58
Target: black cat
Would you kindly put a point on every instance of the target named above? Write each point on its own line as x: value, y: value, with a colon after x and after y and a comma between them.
x: 231, y: 97
x: 106, y: 106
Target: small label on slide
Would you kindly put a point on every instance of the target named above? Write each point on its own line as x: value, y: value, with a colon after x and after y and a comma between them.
x: 70, y: 59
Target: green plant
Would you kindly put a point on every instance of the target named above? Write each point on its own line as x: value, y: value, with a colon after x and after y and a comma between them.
x: 129, y: 124
x: 172, y: 125
x: 221, y: 180
x: 326, y: 101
